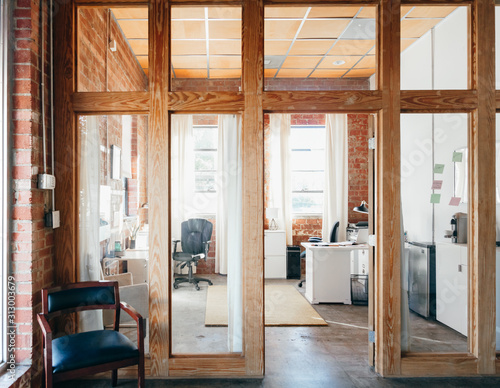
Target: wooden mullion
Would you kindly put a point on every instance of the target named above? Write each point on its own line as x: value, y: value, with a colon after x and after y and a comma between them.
x: 431, y: 3
x: 111, y: 102
x: 388, y: 206
x: 158, y: 187
x: 327, y: 101
x: 482, y: 232
x: 206, y: 101
x: 287, y: 3
x: 434, y: 101
x: 253, y: 186
x: 497, y: 100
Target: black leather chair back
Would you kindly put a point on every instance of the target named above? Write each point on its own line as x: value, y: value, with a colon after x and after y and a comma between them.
x: 335, y: 232
x: 194, y: 233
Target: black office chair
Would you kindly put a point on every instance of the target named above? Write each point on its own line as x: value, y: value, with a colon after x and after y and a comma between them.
x: 195, y: 242
x: 333, y: 238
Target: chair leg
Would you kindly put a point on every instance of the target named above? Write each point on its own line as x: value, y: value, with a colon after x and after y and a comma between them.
x: 141, y: 382
x: 114, y: 377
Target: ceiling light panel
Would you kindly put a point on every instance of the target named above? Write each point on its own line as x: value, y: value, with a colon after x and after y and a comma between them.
x: 360, y: 29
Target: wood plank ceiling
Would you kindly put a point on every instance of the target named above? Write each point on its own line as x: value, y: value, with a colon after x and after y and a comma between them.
x: 299, y: 42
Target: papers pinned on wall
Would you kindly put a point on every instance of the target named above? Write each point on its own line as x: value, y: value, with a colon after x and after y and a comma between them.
x: 435, y: 198
x: 438, y: 168
x: 457, y: 156
x: 436, y: 185
x: 455, y: 201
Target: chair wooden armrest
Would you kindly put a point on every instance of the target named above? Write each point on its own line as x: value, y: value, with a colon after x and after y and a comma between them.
x: 44, y: 325
x: 140, y: 327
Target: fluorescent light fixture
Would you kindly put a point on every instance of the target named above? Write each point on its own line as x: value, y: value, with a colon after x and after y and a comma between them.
x: 267, y: 61
x: 339, y: 62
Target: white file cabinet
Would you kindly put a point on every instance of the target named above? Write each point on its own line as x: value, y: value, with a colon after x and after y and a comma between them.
x: 275, y: 254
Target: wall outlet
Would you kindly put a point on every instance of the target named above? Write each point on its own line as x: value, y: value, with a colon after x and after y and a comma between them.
x: 46, y: 181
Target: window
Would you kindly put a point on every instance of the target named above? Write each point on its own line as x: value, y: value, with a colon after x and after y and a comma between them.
x: 205, y: 167
x: 307, y: 163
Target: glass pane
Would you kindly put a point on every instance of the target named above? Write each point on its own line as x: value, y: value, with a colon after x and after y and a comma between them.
x: 319, y: 48
x: 307, y: 138
x: 308, y: 181
x: 307, y: 202
x: 112, y: 49
x: 113, y: 198
x: 497, y: 219
x: 206, y: 48
x: 434, y: 39
x: 435, y: 263
x: 207, y: 293
x: 205, y: 137
x: 497, y: 47
x: 308, y: 160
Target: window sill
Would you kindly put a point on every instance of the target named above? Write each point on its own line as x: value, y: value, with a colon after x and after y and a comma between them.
x: 22, y: 371
x: 306, y: 216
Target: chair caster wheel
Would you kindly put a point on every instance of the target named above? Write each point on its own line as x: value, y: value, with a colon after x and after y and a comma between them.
x: 198, y: 288
x: 176, y: 286
x: 300, y: 284
x: 210, y: 284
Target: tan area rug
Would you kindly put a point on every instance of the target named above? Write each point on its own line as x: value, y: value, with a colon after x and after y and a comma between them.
x: 285, y: 306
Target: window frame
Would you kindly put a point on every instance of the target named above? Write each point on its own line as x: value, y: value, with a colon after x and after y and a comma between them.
x: 214, y: 150
x: 322, y: 170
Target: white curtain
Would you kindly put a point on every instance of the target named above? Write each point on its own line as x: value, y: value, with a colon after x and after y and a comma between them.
x: 280, y: 191
x: 405, y: 307
x: 182, y: 171
x: 335, y: 192
x: 229, y: 222
x: 89, y: 249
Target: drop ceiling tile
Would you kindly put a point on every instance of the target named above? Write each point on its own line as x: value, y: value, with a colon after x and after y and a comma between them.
x: 188, y: 13
x: 284, y: 12
x: 190, y: 73
x: 405, y: 9
x: 224, y: 47
x: 189, y: 47
x: 188, y: 29
x: 139, y: 47
x: 360, y: 73
x: 224, y: 29
x: 280, y: 29
x: 416, y: 28
x: 273, y: 61
x: 300, y: 62
x: 322, y: 29
x: 372, y: 51
x: 350, y: 61
x: 367, y: 62
x: 143, y: 60
x: 328, y: 73
x: 311, y: 47
x: 146, y: 71
x: 360, y: 29
x: 276, y: 47
x: 225, y: 73
x: 269, y: 73
x: 134, y: 29
x: 293, y: 73
x: 367, y: 12
x: 431, y: 12
x: 130, y: 13
x: 224, y: 12
x: 225, y: 62
x: 332, y: 12
x: 405, y: 43
x: 189, y: 62
x: 352, y: 47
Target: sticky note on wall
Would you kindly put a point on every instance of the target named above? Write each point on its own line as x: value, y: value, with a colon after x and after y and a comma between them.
x: 438, y: 168
x: 435, y: 198
x: 457, y: 156
x: 436, y: 185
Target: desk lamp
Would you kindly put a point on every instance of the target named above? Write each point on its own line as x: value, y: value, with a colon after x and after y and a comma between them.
x: 361, y: 208
x: 272, y: 213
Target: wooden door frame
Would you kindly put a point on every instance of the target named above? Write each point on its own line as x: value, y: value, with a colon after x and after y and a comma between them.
x: 480, y: 101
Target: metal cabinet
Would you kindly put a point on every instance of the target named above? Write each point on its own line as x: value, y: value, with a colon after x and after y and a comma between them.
x: 275, y: 254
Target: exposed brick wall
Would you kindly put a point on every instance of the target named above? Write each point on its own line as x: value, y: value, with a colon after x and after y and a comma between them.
x: 32, y: 245
x: 234, y: 84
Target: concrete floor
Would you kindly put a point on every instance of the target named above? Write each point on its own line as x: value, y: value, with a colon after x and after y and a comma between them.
x: 330, y: 356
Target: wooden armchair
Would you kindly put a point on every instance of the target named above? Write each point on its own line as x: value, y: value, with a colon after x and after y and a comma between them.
x: 80, y: 354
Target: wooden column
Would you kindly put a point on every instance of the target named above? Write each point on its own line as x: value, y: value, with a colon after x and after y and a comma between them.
x: 253, y: 185
x: 65, y: 145
x: 159, y: 187
x: 388, y: 227
x: 482, y: 204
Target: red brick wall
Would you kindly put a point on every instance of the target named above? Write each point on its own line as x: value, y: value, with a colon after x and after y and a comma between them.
x: 32, y: 245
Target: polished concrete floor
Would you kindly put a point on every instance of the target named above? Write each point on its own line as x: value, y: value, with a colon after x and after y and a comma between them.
x: 331, y: 356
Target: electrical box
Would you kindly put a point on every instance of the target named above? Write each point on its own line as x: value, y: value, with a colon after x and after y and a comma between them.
x: 53, y: 219
x: 46, y: 181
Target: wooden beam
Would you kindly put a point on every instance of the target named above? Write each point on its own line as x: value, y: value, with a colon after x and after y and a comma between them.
x: 434, y: 101
x: 438, y: 364
x: 497, y: 98
x: 482, y: 235
x: 431, y: 3
x: 111, y: 102
x: 253, y: 186
x: 207, y: 366
x: 292, y: 3
x: 65, y: 147
x: 159, y: 187
x: 332, y: 101
x: 388, y: 206
x: 206, y: 101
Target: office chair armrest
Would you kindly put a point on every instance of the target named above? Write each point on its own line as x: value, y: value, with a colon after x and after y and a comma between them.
x: 175, y: 244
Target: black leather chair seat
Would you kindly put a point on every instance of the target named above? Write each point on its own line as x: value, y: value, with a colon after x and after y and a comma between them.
x: 90, y: 348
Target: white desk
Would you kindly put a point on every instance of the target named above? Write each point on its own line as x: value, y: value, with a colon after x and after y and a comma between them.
x: 328, y: 273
